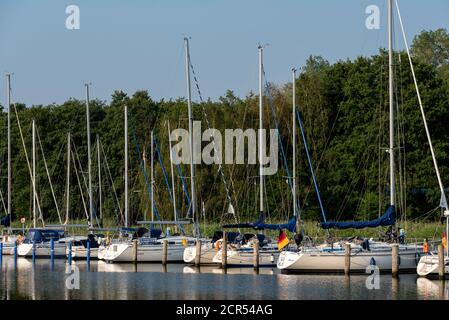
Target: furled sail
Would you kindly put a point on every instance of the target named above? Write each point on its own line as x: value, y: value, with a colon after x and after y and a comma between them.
x: 387, y: 219
x: 260, y: 224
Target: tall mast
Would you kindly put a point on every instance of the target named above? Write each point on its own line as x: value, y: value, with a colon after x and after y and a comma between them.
x: 294, y: 140
x: 126, y: 165
x: 68, y: 180
x: 390, y: 73
x: 89, y: 161
x: 172, y: 175
x: 100, y: 210
x: 261, y: 128
x: 152, y: 176
x: 189, y: 107
x: 34, y: 171
x: 8, y: 94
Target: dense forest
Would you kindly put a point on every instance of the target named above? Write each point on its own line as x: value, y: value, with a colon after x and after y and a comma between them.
x: 344, y: 107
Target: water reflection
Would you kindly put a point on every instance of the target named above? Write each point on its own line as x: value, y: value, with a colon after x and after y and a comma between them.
x: 100, y: 280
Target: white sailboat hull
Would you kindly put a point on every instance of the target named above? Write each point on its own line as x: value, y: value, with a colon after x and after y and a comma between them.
x: 80, y: 252
x: 429, y: 264
x: 245, y: 257
x: 208, y: 253
x: 318, y: 261
x: 42, y: 250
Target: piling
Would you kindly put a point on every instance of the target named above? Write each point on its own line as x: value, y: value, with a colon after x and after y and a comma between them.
x: 135, y: 250
x: 70, y: 253
x: 52, y: 249
x: 256, y: 255
x: 34, y: 250
x: 15, y: 252
x: 394, y: 260
x: 88, y: 254
x: 1, y: 252
x: 198, y: 253
x: 164, y: 252
x: 440, y: 262
x: 224, y: 251
x: 347, y: 258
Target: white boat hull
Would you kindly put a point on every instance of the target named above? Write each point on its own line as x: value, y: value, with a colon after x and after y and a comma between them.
x: 80, y: 252
x: 42, y: 250
x: 208, y: 253
x: 245, y: 258
x: 429, y: 264
x: 316, y: 261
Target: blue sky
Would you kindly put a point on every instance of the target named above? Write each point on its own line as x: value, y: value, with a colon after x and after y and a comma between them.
x: 138, y: 44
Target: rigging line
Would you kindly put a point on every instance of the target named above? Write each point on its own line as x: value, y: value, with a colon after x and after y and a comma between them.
x: 48, y: 175
x: 270, y: 100
x: 28, y: 163
x: 3, y: 202
x: 220, y: 167
x: 108, y: 171
x: 443, y: 202
x: 79, y: 163
x: 80, y: 188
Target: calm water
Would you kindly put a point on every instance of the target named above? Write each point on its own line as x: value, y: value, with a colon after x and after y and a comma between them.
x: 151, y: 281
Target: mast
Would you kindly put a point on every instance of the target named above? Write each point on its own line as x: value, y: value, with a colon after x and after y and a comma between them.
x: 126, y: 165
x: 390, y: 75
x: 99, y: 178
x: 89, y: 161
x: 34, y: 171
x: 152, y: 176
x: 172, y: 176
x: 8, y: 95
x: 189, y: 107
x: 68, y: 179
x: 294, y: 140
x: 260, y: 128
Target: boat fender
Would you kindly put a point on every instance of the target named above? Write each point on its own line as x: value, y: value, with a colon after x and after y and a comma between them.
x: 417, y: 257
x: 217, y: 245
x: 19, y: 239
x: 399, y: 260
x: 372, y: 261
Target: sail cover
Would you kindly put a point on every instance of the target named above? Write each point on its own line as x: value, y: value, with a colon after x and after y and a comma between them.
x: 387, y: 219
x: 260, y: 225
x: 6, y: 221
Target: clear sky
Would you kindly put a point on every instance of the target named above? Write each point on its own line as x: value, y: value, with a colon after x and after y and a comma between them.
x: 137, y: 44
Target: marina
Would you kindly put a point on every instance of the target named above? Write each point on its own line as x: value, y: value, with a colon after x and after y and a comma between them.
x: 329, y: 184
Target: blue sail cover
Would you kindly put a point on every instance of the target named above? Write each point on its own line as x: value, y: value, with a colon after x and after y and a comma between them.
x: 259, y: 224
x: 388, y: 219
x: 290, y: 225
x: 6, y: 221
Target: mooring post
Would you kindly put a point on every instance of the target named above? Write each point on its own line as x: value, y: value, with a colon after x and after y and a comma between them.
x: 88, y: 254
x: 164, y: 252
x: 440, y: 262
x: 52, y: 250
x: 34, y: 250
x: 70, y: 253
x: 395, y: 260
x: 224, y: 251
x: 256, y: 255
x: 198, y: 253
x: 135, y: 250
x: 347, y: 258
x: 1, y: 252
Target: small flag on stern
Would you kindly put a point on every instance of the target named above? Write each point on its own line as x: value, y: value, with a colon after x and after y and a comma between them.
x: 283, y: 240
x: 444, y: 240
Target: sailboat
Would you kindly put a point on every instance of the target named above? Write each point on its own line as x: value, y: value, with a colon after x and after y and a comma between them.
x: 151, y: 242
x: 8, y: 240
x: 331, y: 257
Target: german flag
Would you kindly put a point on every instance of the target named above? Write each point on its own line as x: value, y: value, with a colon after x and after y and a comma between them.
x: 283, y: 240
x: 444, y: 240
